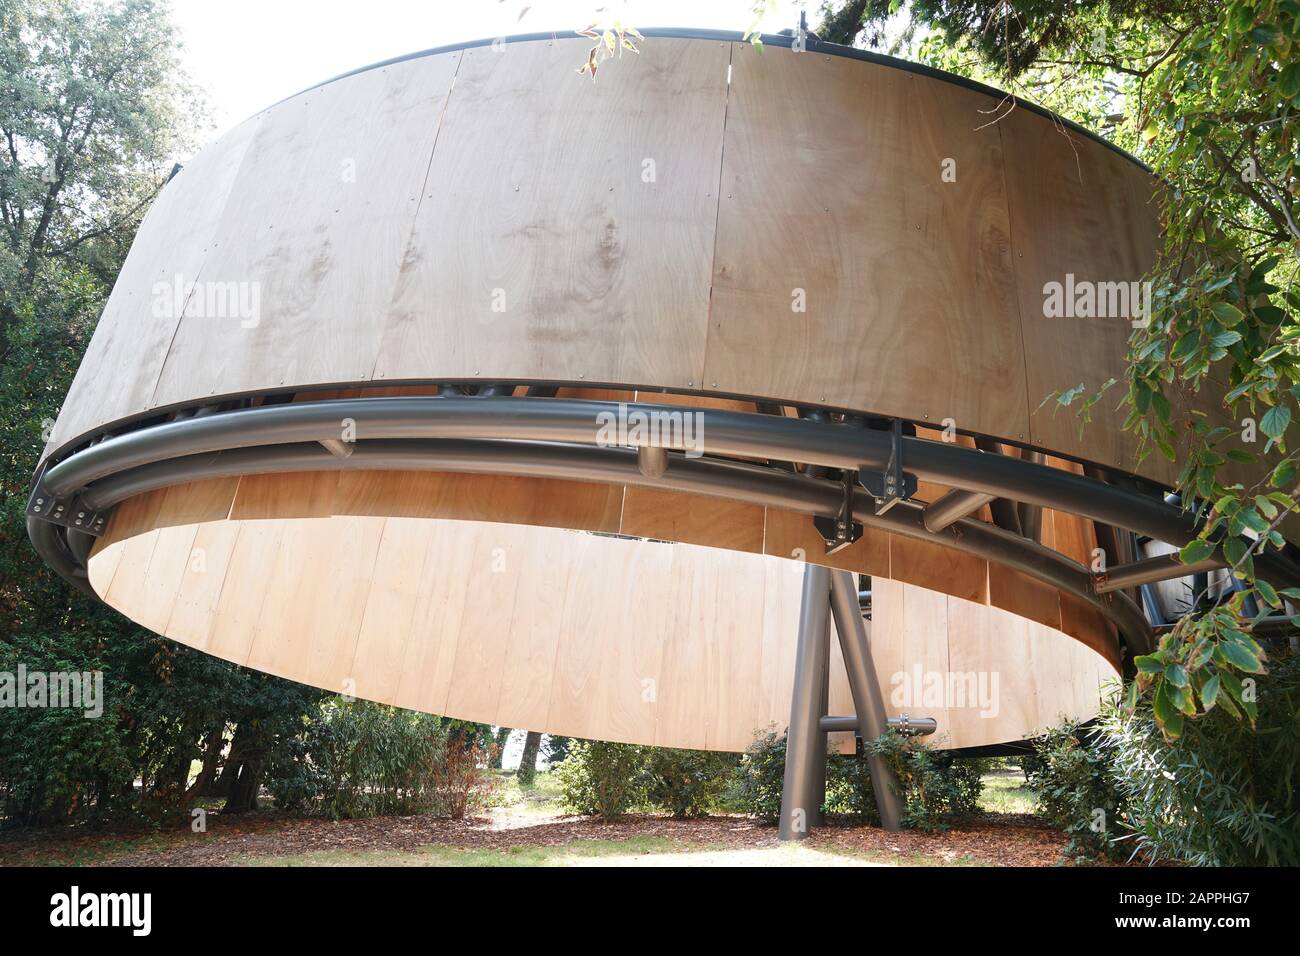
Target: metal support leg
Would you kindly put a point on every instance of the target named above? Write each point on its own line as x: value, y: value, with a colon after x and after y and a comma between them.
x: 805, y: 743
x: 868, y: 703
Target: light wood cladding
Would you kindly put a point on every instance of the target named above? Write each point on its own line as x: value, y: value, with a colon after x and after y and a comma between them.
x: 646, y: 230
x: 832, y: 186
x: 568, y: 632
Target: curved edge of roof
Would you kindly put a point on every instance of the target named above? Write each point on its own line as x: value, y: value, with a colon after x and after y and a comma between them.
x: 778, y: 40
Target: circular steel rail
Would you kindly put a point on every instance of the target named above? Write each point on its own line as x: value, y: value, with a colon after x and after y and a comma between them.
x: 559, y: 438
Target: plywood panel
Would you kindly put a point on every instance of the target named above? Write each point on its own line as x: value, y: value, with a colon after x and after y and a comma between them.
x: 583, y: 627
x: 671, y: 516
x: 142, y: 314
x: 200, y: 586
x: 566, y: 632
x: 430, y: 654
x: 580, y: 266
x: 1080, y: 209
x: 491, y: 593
x: 688, y: 656
x: 316, y: 224
x: 1025, y: 596
x: 910, y: 298
x: 377, y: 215
x: 534, y: 640
x: 984, y: 651
x: 245, y: 586
x: 386, y: 622
x: 793, y: 535
x: 632, y: 685
x: 569, y: 504
x: 938, y: 568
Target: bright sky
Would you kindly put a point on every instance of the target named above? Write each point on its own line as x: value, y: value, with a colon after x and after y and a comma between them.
x: 247, y: 54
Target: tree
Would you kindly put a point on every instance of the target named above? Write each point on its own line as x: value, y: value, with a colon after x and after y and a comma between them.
x: 1204, y: 94
x: 93, y: 106
x: 499, y: 747
x: 527, y: 772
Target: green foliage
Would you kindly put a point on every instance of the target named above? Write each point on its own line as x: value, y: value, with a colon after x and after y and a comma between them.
x: 356, y: 759
x: 687, y: 783
x: 1221, y: 794
x: 1072, y: 774
x: 602, y: 779
x: 936, y: 786
x: 759, y: 777
x: 1198, y: 666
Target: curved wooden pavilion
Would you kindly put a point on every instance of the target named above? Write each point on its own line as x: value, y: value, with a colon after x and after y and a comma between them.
x: 774, y: 308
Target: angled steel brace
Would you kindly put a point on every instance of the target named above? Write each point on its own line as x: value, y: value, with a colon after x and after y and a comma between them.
x: 868, y: 705
x: 803, y: 787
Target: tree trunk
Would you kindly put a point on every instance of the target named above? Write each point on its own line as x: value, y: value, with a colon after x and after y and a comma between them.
x: 220, y: 787
x: 214, y: 743
x: 503, y: 735
x: 245, y: 787
x: 246, y: 773
x: 528, y: 762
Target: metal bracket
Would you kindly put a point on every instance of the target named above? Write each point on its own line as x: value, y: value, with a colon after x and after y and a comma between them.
x: 887, y: 487
x: 892, y: 485
x: 841, y: 531
x: 68, y: 511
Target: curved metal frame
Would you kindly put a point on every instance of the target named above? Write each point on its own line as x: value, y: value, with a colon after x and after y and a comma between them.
x: 559, y: 438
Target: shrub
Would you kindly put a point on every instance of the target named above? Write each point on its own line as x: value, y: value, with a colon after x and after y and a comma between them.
x: 1222, y: 793
x: 1071, y: 774
x: 602, y: 779
x: 935, y: 785
x: 687, y: 783
x: 758, y: 778
x: 461, y: 782
x: 356, y: 758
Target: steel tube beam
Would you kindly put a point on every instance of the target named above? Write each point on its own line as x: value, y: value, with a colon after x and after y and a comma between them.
x: 955, y: 504
x: 336, y: 447
x: 736, y: 434
x: 727, y: 433
x: 920, y: 726
x: 754, y: 484
x: 1004, y: 511
x: 805, y: 744
x: 651, y: 461
x: 1031, y: 516
x: 868, y: 704
x: 1162, y: 567
x: 50, y: 545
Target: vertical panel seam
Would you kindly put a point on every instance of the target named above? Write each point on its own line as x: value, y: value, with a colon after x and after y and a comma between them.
x: 717, y: 217
x: 419, y: 203
x: 1015, y: 281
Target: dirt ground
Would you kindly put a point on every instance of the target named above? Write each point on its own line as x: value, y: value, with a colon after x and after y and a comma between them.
x: 531, y: 829
x: 991, y: 840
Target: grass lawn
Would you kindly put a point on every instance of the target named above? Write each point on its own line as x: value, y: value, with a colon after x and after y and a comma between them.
x: 1005, y: 791
x: 634, y: 851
